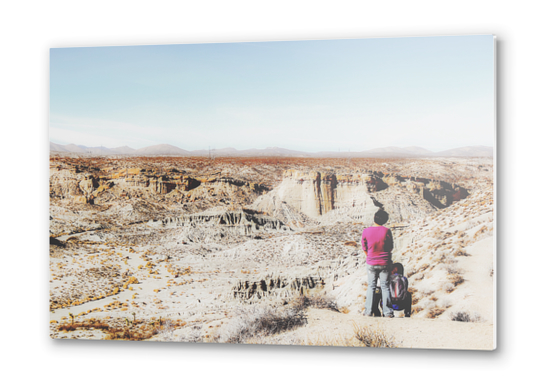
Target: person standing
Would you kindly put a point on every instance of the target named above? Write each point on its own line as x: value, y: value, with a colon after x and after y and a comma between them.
x: 377, y: 244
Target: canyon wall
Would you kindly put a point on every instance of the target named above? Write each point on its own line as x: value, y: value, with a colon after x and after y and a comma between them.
x: 357, y: 196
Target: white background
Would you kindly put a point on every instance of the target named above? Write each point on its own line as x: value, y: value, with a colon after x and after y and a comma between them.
x: 29, y: 29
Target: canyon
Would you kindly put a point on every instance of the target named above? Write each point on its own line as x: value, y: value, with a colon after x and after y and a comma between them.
x: 173, y: 248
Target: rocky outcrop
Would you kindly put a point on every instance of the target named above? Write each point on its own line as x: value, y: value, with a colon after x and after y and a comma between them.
x: 83, y: 183
x: 276, y: 286
x: 88, y: 184
x: 325, y: 195
x: 318, y: 193
x: 204, y: 225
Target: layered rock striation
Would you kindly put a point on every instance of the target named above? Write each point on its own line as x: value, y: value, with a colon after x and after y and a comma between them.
x: 221, y: 223
x: 277, y: 286
x: 358, y: 195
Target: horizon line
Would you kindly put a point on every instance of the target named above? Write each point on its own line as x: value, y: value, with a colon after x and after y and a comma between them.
x: 273, y: 147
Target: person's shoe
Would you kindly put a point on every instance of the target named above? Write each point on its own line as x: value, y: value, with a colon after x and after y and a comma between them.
x: 390, y: 316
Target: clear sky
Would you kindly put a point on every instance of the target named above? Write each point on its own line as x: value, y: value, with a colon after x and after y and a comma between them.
x: 358, y: 94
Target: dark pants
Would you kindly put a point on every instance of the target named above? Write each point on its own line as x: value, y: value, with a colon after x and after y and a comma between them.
x: 405, y: 305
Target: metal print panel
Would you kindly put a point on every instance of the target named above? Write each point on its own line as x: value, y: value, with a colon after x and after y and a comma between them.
x: 324, y: 193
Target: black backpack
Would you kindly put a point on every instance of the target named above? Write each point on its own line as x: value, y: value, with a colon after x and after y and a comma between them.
x: 398, y: 288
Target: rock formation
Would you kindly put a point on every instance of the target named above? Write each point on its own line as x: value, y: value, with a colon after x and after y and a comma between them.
x: 357, y: 195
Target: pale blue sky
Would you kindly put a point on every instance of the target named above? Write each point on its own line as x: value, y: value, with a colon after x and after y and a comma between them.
x: 433, y: 92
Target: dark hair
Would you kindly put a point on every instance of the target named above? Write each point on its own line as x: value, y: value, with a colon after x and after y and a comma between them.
x: 381, y: 217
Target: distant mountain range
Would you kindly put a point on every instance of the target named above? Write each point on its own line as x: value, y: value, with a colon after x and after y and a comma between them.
x: 171, y: 150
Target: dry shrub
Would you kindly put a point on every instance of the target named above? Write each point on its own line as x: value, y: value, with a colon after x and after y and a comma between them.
x: 363, y: 337
x: 435, y: 312
x: 255, y: 321
x: 449, y: 287
x: 316, y: 301
x: 416, y: 309
x: 478, y: 233
x: 134, y: 330
x: 413, y: 292
x: 425, y: 292
x: 195, y: 335
x: 451, y: 269
x: 461, y: 252
x: 465, y: 316
x: 70, y: 327
x: 373, y: 338
x: 456, y: 279
x: 142, y: 330
x: 136, y: 334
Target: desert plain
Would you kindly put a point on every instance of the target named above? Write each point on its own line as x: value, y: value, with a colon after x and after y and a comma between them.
x: 266, y: 250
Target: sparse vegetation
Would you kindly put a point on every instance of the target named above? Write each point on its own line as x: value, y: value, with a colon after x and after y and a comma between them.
x: 435, y: 312
x: 258, y: 320
x: 456, y: 279
x: 116, y: 330
x: 316, y: 301
x: 465, y: 316
x: 373, y: 338
x: 127, y: 249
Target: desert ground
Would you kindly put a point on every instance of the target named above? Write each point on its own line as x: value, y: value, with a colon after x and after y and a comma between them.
x: 266, y: 250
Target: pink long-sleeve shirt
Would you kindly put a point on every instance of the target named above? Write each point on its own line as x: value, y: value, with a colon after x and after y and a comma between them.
x: 377, y: 243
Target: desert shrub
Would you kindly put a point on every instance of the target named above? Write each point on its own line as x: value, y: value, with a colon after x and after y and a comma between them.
x: 435, y: 312
x: 461, y: 252
x: 424, y: 292
x: 373, y: 338
x: 414, y: 292
x: 70, y: 327
x: 420, y: 277
x: 424, y: 267
x: 166, y: 331
x: 451, y: 267
x: 194, y: 335
x: 465, y: 317
x: 127, y: 330
x: 456, y: 279
x: 428, y: 304
x: 449, y: 287
x: 363, y: 337
x: 261, y: 321
x: 316, y: 301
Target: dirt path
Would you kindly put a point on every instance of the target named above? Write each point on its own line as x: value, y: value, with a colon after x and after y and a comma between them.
x: 422, y: 333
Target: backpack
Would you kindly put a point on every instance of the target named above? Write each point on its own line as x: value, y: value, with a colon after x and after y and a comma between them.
x: 398, y: 288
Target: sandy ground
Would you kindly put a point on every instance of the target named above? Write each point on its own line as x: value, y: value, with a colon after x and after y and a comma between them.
x: 323, y: 324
